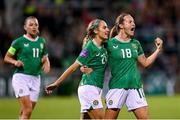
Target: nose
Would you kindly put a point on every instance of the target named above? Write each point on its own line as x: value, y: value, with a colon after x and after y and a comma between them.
x: 107, y: 29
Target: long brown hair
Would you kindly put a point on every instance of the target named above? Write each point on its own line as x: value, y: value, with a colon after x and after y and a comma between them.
x: 94, y: 24
x: 119, y: 20
x: 90, y: 34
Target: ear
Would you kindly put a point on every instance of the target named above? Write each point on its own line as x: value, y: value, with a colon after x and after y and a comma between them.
x: 120, y: 26
x: 25, y: 28
x: 96, y: 31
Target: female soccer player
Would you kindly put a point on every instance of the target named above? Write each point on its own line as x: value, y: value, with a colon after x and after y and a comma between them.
x: 28, y: 54
x: 93, y: 55
x: 125, y: 85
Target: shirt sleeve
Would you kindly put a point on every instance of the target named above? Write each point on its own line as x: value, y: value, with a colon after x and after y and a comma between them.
x: 45, y: 51
x: 84, y: 56
x: 14, y: 47
x: 140, y: 50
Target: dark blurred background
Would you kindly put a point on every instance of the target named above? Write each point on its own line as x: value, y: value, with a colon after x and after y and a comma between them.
x: 63, y: 24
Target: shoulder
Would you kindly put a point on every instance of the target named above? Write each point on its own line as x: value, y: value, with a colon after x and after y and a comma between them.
x: 42, y: 39
x: 135, y: 41
x: 18, y: 40
x: 89, y: 44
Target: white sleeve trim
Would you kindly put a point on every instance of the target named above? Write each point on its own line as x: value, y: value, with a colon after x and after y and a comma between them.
x: 79, y: 62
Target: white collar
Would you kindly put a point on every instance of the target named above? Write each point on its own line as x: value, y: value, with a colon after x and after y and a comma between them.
x: 122, y: 40
x: 33, y: 40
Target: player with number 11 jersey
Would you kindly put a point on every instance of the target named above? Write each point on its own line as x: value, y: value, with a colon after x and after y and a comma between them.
x: 30, y: 52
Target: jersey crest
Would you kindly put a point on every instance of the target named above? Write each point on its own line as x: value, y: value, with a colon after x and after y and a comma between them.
x: 41, y: 45
x: 134, y: 46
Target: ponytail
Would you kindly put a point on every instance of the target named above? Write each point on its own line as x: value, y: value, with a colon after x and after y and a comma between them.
x: 119, y: 20
x: 113, y: 32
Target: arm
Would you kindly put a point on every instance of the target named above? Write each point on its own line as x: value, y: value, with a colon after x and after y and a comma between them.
x: 46, y: 64
x: 146, y: 62
x: 67, y: 73
x: 10, y: 59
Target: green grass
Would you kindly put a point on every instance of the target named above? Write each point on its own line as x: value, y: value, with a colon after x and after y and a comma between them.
x: 160, y: 107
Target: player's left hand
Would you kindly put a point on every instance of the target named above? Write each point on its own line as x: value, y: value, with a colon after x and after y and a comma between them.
x: 158, y: 43
x: 46, y: 68
x: 46, y: 64
x: 85, y: 69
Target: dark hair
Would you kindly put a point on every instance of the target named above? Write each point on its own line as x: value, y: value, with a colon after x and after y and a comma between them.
x: 30, y: 17
x: 91, y: 27
x: 119, y: 20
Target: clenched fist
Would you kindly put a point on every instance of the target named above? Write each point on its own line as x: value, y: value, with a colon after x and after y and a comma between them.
x: 158, y: 43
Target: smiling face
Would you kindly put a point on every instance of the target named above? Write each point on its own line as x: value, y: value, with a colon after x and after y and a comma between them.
x: 128, y: 25
x: 102, y: 31
x: 32, y: 27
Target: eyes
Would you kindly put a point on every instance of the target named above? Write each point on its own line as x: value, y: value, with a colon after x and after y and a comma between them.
x: 105, y: 27
x: 33, y: 24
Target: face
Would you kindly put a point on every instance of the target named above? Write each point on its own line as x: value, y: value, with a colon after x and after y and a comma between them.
x: 103, y: 31
x: 32, y: 27
x: 128, y: 25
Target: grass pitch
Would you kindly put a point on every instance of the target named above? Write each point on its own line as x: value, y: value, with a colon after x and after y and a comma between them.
x: 160, y: 107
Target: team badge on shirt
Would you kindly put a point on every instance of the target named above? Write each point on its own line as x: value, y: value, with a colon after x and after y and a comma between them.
x: 41, y: 45
x: 84, y: 53
x: 134, y: 46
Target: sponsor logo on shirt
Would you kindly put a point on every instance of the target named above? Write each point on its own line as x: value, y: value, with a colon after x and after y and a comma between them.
x: 98, y: 54
x: 115, y: 46
x: 26, y: 44
x: 84, y: 53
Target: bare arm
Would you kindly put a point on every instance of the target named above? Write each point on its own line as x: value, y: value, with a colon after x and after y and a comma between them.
x: 46, y: 64
x: 9, y: 58
x: 66, y: 74
x: 146, y: 62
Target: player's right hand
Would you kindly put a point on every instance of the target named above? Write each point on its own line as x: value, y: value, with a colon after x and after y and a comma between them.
x: 49, y: 89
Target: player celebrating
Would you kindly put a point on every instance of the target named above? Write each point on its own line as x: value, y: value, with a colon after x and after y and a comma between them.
x: 93, y: 55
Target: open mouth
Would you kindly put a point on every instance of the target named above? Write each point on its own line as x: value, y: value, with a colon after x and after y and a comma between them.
x: 133, y: 29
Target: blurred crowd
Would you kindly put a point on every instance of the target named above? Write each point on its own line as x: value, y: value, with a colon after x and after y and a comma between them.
x: 63, y: 23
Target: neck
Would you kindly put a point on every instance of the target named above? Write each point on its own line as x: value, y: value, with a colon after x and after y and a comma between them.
x: 123, y: 36
x: 98, y: 42
x: 33, y: 37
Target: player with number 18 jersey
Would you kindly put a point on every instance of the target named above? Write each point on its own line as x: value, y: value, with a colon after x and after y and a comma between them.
x: 123, y: 63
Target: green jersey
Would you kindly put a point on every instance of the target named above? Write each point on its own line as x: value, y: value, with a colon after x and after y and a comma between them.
x: 96, y: 58
x: 123, y: 63
x: 30, y: 53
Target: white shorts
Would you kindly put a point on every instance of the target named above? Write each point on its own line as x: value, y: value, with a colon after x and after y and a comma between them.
x: 26, y: 85
x: 89, y: 97
x: 133, y: 98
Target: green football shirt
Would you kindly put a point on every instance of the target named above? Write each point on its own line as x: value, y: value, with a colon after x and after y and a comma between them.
x: 30, y: 53
x: 123, y: 63
x: 96, y: 58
